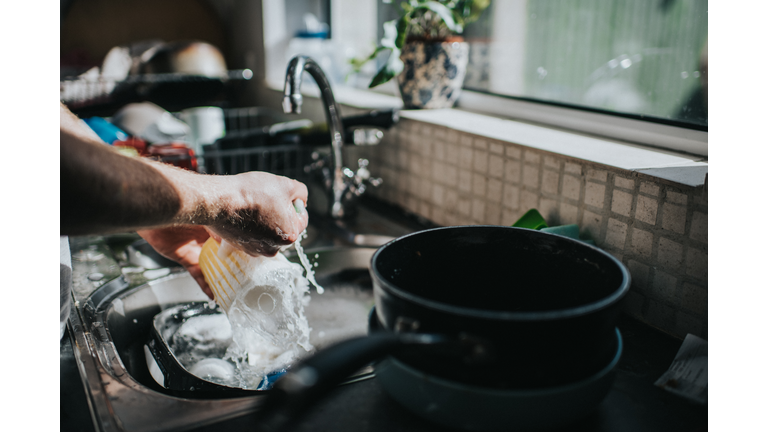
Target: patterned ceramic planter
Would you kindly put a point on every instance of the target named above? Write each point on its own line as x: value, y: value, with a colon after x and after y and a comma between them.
x: 433, y: 73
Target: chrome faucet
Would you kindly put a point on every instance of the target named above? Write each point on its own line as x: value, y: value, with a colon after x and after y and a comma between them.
x: 342, y: 184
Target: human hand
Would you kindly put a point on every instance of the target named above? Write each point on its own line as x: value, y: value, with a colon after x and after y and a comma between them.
x: 258, y: 215
x: 181, y: 244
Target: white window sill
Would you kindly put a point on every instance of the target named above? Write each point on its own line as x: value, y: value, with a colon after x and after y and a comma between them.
x: 663, y: 164
x: 687, y: 170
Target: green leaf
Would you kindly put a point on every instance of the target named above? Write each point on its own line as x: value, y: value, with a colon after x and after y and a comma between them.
x: 402, y: 30
x: 390, y: 70
x: 476, y: 8
x: 383, y: 76
x: 358, y: 63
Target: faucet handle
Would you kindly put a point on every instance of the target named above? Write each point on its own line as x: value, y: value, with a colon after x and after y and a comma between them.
x: 357, y: 180
x: 365, y: 175
x: 362, y: 169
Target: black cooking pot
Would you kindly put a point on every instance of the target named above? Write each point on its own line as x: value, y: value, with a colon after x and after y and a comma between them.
x: 488, y: 306
x: 542, y: 307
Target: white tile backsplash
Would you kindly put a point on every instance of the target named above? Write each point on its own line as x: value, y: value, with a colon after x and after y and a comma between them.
x: 658, y: 228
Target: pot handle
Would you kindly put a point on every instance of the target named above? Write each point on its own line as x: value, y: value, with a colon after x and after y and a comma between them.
x: 314, y: 377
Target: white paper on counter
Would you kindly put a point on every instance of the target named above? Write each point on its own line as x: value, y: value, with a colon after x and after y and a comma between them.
x: 687, y: 376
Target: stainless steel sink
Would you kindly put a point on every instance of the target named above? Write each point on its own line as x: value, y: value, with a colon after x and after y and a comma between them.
x: 111, y: 324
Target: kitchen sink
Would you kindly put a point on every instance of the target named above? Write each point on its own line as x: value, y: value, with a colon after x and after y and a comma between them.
x: 111, y: 325
x: 117, y: 295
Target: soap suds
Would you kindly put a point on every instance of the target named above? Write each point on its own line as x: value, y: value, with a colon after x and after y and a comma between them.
x: 264, y: 300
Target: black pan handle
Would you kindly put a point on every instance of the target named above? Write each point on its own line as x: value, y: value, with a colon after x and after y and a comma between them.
x: 314, y: 377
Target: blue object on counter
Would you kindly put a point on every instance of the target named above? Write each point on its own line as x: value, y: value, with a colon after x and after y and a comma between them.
x: 312, y: 35
x: 571, y: 231
x: 108, y: 132
x: 269, y: 380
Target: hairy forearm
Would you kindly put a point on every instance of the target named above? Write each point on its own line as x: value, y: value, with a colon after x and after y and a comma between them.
x: 103, y: 191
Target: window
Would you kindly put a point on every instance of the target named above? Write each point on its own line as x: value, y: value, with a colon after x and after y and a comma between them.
x: 633, y: 70
x: 644, y: 59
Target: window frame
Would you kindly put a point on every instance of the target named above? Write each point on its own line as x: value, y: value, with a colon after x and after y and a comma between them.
x: 607, y: 125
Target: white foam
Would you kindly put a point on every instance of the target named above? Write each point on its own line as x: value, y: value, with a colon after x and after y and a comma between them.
x: 215, y: 370
x: 202, y: 337
x: 264, y: 300
x: 269, y: 327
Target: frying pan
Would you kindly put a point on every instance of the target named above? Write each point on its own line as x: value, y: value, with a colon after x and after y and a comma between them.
x: 487, y: 306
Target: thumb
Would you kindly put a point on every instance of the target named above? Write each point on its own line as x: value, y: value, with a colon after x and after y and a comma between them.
x: 213, y: 234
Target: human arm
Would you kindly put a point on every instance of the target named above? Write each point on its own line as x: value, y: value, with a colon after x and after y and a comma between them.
x: 103, y: 191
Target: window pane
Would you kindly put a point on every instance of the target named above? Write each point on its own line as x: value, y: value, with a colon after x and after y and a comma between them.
x: 637, y: 57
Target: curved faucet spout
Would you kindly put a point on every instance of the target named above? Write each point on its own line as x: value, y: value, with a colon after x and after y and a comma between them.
x: 292, y: 101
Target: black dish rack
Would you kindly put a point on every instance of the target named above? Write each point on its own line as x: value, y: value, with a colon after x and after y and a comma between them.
x: 234, y: 153
x: 98, y: 96
x: 239, y: 152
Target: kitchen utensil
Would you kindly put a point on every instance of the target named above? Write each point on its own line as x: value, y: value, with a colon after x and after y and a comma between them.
x: 571, y: 230
x: 65, y: 283
x: 532, y: 310
x: 230, y: 272
x: 466, y: 407
x: 108, y: 132
x: 552, y: 298
x: 474, y: 408
x: 177, y: 154
x: 341, y: 312
x: 165, y: 367
x: 150, y: 123
x: 135, y: 143
x: 206, y: 125
x: 184, y: 57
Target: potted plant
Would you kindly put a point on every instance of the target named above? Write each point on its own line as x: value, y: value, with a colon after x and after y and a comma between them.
x: 427, y: 54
